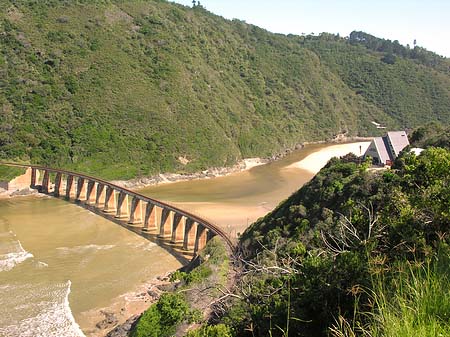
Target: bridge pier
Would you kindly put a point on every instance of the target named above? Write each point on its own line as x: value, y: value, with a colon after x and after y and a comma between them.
x: 34, y: 177
x: 100, y: 195
x: 45, y: 182
x: 177, y: 228
x: 110, y: 200
x: 81, y: 190
x: 58, y: 178
x: 165, y: 228
x: 135, y: 211
x: 90, y: 195
x: 189, y: 234
x: 69, y: 186
x: 200, y: 238
x: 122, y: 205
x: 151, y: 218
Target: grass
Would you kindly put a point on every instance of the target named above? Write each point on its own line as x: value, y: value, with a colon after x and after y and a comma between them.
x: 8, y: 173
x: 418, y: 304
x: 415, y: 302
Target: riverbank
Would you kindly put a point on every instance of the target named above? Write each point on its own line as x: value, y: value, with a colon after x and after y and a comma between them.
x: 235, y: 201
x: 241, y: 166
x: 125, y: 309
x: 5, y: 194
x: 164, y: 178
x: 315, y: 161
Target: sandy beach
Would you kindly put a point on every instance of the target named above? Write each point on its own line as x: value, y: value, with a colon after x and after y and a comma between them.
x: 132, y: 304
x: 315, y: 161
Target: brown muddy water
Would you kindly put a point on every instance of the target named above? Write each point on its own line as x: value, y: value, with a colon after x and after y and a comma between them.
x: 58, y: 261
x: 237, y: 200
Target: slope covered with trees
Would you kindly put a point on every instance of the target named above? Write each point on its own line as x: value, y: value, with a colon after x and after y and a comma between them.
x: 127, y: 88
x: 354, y: 252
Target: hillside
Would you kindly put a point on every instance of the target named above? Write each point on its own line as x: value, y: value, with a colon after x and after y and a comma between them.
x: 353, y: 253
x: 127, y: 88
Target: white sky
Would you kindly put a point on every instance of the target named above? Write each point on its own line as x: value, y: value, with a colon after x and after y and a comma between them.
x: 427, y: 21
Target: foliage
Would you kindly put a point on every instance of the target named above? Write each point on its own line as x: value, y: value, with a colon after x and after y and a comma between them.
x: 185, y: 304
x: 314, y: 258
x: 416, y: 301
x: 219, y: 330
x: 8, y: 173
x: 198, y: 274
x: 132, y: 80
x: 432, y: 134
x: 161, y: 318
x: 391, y: 48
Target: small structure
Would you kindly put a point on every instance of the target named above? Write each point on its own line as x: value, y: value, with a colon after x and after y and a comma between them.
x: 385, y: 149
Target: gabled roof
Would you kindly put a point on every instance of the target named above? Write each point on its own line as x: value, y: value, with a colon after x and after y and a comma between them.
x: 382, y: 150
x: 399, y: 140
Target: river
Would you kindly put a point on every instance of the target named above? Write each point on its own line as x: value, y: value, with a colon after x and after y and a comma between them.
x: 59, y: 263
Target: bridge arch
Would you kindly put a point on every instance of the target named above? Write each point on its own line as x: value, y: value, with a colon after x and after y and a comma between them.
x: 170, y: 225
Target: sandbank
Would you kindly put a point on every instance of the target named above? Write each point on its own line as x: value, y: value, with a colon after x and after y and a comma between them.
x: 316, y: 160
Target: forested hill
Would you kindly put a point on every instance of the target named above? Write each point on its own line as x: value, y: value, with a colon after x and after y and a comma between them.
x: 126, y: 88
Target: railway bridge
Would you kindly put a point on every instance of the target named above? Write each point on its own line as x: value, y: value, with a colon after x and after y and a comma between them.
x: 170, y: 225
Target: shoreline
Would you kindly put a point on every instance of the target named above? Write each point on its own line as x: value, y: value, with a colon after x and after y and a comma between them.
x: 116, y: 319
x: 212, y: 172
x: 241, y: 166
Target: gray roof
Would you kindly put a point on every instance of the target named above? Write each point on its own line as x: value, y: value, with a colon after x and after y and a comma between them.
x: 382, y: 150
x: 399, y: 140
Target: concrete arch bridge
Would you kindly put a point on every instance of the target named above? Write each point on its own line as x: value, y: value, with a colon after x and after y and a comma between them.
x: 175, y: 229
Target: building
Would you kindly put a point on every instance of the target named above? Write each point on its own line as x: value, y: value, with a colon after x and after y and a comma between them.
x: 385, y: 149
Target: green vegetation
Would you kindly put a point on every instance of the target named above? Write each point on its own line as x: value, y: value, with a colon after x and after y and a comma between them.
x: 354, y: 252
x: 432, y: 134
x: 417, y: 302
x: 8, y: 173
x: 194, y: 292
x: 160, y: 319
x: 219, y: 330
x: 147, y: 82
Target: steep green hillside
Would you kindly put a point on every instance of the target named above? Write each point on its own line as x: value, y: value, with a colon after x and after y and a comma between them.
x: 125, y: 88
x: 364, y: 251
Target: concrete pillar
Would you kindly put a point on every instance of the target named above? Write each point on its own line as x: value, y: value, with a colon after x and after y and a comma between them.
x: 45, y: 181
x: 200, y: 238
x: 165, y: 228
x: 69, y: 187
x: 122, y: 205
x: 135, y: 211
x: 81, y: 189
x: 100, y: 195
x: 110, y: 200
x: 177, y: 228
x: 151, y: 217
x: 190, y: 230
x: 58, y: 179
x: 34, y: 177
x: 90, y: 195
x: 210, y: 235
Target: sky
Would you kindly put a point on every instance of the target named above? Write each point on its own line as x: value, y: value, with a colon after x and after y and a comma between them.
x: 426, y: 21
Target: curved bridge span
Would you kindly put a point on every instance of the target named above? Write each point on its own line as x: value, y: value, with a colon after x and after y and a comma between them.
x: 170, y: 224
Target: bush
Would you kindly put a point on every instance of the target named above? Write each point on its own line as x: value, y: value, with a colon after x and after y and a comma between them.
x: 161, y: 318
x: 219, y: 330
